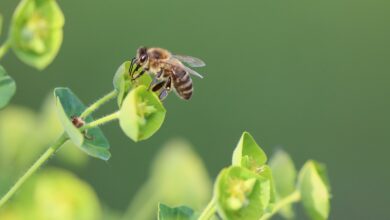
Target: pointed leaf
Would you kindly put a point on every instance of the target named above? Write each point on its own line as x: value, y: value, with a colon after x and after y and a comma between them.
x: 141, y: 114
x: 68, y: 105
x: 285, y: 175
x: 313, y: 186
x: 7, y: 88
x: 36, y: 31
x: 248, y: 153
x: 177, y: 213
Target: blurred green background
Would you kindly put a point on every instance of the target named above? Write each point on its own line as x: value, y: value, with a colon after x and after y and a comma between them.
x: 310, y: 76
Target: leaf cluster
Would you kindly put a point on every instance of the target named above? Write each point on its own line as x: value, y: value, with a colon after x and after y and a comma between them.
x: 251, y: 189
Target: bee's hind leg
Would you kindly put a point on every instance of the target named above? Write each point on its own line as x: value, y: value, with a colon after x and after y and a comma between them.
x: 156, y: 86
x: 163, y: 87
x: 155, y: 81
x: 163, y: 94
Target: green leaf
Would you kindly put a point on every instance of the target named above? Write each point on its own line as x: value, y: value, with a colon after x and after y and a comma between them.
x: 36, y: 31
x: 240, y: 194
x: 123, y: 83
x: 314, y: 189
x: 284, y: 174
x: 68, y: 105
x: 177, y: 213
x: 248, y: 153
x: 7, y: 88
x: 141, y: 114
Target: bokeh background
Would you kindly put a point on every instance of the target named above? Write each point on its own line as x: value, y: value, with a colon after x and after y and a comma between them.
x: 309, y: 76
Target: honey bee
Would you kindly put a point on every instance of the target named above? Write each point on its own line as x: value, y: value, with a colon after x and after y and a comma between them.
x: 168, y: 70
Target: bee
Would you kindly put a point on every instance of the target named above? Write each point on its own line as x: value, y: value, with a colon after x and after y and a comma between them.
x: 168, y: 70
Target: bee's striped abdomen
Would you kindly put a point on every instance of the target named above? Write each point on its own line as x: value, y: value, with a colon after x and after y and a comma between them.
x: 183, y: 85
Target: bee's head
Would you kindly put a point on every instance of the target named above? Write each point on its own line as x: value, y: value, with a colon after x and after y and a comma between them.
x: 142, y: 55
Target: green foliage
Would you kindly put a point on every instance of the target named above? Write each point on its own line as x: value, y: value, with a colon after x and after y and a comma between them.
x: 35, y: 36
x: 38, y: 130
x: 53, y: 194
x: 7, y: 87
x: 251, y: 189
x: 314, y: 189
x: 248, y: 153
x: 177, y: 213
x: 284, y: 174
x: 94, y: 143
x: 141, y: 114
x: 36, y: 31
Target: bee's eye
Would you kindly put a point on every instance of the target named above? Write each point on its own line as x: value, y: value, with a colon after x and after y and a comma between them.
x: 143, y: 58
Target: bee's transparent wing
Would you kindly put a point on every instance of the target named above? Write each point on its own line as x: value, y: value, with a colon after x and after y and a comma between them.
x: 191, y: 61
x: 193, y: 72
x: 174, y: 63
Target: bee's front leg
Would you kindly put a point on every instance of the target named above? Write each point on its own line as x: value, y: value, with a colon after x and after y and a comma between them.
x: 131, y: 67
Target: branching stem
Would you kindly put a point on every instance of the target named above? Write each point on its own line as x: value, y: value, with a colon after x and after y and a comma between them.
x: 45, y: 156
x: 61, y: 140
x: 101, y: 121
x: 99, y: 103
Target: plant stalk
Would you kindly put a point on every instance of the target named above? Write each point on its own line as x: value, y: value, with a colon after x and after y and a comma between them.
x: 293, y: 197
x: 62, y: 139
x: 101, y: 121
x: 99, y: 103
x: 209, y: 211
x: 45, y: 156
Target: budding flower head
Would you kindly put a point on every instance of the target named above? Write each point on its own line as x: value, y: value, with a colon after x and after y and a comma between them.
x: 36, y: 31
x: 239, y: 190
x: 141, y: 114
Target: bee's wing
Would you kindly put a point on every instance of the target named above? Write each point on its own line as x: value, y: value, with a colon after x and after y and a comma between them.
x: 174, y: 62
x: 191, y: 61
x: 193, y: 72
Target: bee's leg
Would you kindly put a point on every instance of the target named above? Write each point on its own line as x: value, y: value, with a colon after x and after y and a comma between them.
x: 163, y: 94
x: 138, y: 76
x: 131, y: 66
x: 155, y: 80
x: 166, y: 88
x: 169, y: 84
x: 156, y: 87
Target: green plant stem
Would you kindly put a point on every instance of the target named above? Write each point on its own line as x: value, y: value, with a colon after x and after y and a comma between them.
x: 60, y: 141
x: 98, y: 103
x: 209, y: 211
x: 293, y: 197
x: 4, y: 48
x: 101, y: 121
x: 45, y: 156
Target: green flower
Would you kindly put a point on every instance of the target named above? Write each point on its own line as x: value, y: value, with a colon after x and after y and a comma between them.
x: 141, y: 114
x: 36, y: 31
